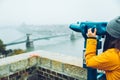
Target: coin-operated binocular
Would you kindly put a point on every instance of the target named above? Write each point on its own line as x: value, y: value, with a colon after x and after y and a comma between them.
x: 83, y: 27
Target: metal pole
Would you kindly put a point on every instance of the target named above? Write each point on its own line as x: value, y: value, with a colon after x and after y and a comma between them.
x: 91, y: 73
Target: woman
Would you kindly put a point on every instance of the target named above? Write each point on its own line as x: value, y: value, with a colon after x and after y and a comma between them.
x: 109, y: 60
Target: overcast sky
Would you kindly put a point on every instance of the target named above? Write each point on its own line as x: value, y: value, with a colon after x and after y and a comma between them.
x: 37, y: 12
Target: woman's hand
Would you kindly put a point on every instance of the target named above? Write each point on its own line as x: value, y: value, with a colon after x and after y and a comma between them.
x: 90, y: 33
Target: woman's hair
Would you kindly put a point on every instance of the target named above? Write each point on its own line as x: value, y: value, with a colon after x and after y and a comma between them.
x: 111, y: 42
x: 112, y: 39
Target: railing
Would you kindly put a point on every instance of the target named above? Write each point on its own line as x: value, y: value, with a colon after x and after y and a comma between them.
x: 47, y: 66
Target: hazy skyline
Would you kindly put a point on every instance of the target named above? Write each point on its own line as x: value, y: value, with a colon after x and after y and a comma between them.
x: 37, y: 12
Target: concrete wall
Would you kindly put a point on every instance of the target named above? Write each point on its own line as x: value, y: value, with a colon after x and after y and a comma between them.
x: 47, y: 66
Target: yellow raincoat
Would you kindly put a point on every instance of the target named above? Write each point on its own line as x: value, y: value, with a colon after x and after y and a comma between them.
x: 109, y: 61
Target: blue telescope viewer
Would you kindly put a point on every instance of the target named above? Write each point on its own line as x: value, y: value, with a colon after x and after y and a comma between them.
x: 83, y: 27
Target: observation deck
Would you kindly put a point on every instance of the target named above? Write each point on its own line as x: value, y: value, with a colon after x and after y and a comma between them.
x: 46, y: 66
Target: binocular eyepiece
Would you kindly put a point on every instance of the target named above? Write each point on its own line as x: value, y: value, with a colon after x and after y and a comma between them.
x: 84, y: 26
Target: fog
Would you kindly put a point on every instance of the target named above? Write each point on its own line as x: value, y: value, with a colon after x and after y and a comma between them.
x: 37, y: 12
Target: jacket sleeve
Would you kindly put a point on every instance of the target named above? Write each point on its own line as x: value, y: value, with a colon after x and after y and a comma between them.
x: 103, y: 61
